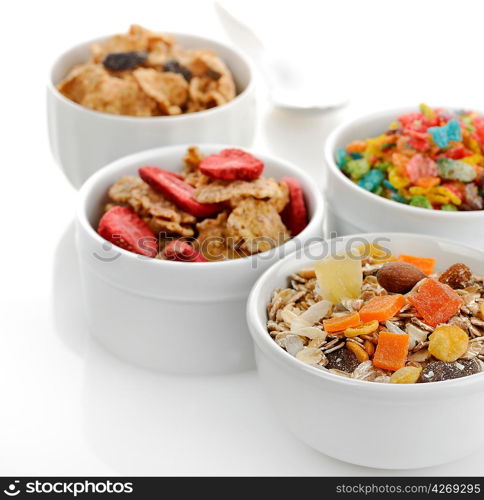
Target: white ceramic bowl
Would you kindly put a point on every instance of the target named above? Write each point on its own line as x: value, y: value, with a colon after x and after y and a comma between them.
x: 351, y: 209
x: 367, y: 423
x: 176, y: 317
x: 83, y: 140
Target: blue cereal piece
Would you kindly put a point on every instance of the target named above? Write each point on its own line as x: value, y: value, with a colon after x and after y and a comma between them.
x: 356, y: 156
x: 389, y: 186
x: 449, y: 132
x: 398, y: 197
x: 341, y: 157
x: 371, y: 180
x: 454, y: 132
x: 456, y: 170
x: 439, y: 136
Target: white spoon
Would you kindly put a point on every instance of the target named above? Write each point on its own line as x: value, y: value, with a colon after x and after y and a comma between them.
x: 288, y: 87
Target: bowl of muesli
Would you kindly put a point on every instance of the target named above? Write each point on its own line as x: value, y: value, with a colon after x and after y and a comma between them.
x: 370, y: 347
x: 118, y: 95
x: 170, y: 242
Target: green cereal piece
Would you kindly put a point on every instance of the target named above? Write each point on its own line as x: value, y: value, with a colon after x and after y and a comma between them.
x: 357, y: 168
x: 456, y: 170
x: 420, y: 201
x: 382, y: 165
x: 449, y: 208
x: 378, y: 190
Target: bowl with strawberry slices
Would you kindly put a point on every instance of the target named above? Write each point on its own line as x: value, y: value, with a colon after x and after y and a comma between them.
x: 170, y: 242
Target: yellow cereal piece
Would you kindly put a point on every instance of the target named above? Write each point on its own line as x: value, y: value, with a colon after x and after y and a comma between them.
x: 364, y: 329
x: 358, y: 351
x: 427, y: 111
x: 472, y: 144
x: 418, y: 191
x: 438, y: 198
x: 394, y: 126
x: 475, y: 159
x: 406, y: 375
x: 448, y: 343
x: 396, y: 180
x: 443, y: 191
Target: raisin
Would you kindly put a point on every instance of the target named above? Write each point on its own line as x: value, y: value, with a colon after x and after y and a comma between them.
x: 458, y: 276
x: 120, y: 61
x: 440, y: 370
x: 173, y: 66
x: 342, y: 359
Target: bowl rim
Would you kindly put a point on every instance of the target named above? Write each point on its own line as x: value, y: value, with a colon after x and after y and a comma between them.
x: 329, y: 150
x: 263, y: 340
x: 315, y: 222
x: 249, y: 88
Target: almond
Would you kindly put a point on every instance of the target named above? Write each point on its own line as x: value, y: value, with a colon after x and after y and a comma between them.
x: 399, y: 277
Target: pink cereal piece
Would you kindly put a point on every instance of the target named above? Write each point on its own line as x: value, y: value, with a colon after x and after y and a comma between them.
x: 419, y: 167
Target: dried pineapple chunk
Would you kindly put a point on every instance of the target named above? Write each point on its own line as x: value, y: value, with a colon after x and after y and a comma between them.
x: 339, y: 277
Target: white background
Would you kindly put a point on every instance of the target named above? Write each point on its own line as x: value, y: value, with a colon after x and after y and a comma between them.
x: 67, y: 406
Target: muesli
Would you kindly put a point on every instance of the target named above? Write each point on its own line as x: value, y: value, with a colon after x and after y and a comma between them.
x: 143, y: 73
x: 382, y: 318
x: 217, y: 207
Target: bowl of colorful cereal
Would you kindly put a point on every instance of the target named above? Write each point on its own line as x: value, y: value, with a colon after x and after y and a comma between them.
x: 417, y: 170
x: 370, y: 347
x: 129, y: 92
x: 170, y: 242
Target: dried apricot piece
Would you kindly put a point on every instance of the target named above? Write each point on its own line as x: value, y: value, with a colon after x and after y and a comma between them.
x: 340, y: 323
x: 406, y: 375
x: 382, y: 307
x: 448, y: 343
x: 425, y: 264
x: 435, y: 302
x: 391, y: 351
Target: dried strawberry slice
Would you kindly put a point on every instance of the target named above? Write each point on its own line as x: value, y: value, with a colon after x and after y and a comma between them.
x: 231, y: 165
x: 181, y: 251
x: 177, y: 191
x: 122, y: 227
x: 295, y: 214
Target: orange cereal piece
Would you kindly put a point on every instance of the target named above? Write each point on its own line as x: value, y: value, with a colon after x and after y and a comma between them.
x: 340, y: 323
x: 356, y: 147
x: 425, y: 264
x: 391, y: 351
x: 382, y: 307
x: 435, y: 302
x: 427, y: 182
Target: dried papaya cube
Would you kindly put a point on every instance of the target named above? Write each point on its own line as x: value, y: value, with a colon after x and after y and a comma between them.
x: 425, y: 264
x: 435, y: 302
x: 391, y: 351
